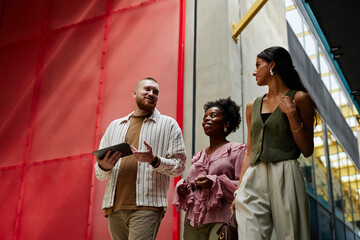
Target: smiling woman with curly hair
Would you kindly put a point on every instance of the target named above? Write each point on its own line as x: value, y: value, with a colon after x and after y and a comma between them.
x: 206, y: 194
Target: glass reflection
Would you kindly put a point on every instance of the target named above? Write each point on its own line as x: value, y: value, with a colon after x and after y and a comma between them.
x: 335, y: 164
x: 322, y: 187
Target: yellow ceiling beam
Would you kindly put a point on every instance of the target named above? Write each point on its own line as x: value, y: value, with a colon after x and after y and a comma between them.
x: 312, y: 56
x: 292, y: 7
x: 344, y: 171
x: 326, y: 74
x: 248, y: 16
x: 318, y: 134
x: 320, y: 150
x: 299, y: 35
x: 346, y: 111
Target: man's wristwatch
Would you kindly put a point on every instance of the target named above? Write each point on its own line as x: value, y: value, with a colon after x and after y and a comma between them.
x: 155, y: 161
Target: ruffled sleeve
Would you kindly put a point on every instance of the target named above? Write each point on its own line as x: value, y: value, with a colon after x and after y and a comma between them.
x: 223, y: 188
x: 182, y: 202
x: 223, y: 169
x: 207, y: 200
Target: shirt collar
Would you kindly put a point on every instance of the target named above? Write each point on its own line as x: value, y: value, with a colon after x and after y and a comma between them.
x: 154, y: 116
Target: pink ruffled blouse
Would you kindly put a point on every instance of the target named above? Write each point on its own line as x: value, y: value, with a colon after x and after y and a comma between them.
x: 223, y: 168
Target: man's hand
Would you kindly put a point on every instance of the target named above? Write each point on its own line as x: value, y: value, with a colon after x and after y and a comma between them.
x: 109, y: 161
x: 143, y: 156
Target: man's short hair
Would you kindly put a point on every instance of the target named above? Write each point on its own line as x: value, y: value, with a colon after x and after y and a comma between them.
x: 146, y: 78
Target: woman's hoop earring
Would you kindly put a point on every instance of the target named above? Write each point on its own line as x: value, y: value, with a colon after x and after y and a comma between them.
x: 225, y: 129
x: 271, y: 72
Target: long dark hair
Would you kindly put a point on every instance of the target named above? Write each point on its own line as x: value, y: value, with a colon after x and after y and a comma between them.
x: 283, y: 66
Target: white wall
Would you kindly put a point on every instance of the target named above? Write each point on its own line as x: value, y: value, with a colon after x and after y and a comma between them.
x: 223, y: 67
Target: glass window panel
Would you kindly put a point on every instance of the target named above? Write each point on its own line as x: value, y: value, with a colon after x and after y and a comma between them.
x: 336, y: 97
x: 336, y: 178
x: 339, y: 230
x: 349, y: 234
x: 342, y: 100
x: 307, y: 171
x: 305, y: 26
x: 351, y: 112
x: 295, y: 20
x: 353, y: 171
x: 314, y: 62
x: 325, y: 69
x: 345, y: 176
x: 324, y: 66
x: 333, y: 83
x: 318, y: 141
x: 289, y: 3
x: 326, y: 81
x: 301, y: 41
x: 322, y: 188
x: 347, y: 194
x: 318, y: 127
x: 356, y: 202
x: 314, y: 228
x: 352, y: 121
x: 310, y: 45
x: 325, y: 225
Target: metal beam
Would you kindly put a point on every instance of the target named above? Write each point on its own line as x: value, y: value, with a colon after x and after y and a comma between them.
x: 249, y: 15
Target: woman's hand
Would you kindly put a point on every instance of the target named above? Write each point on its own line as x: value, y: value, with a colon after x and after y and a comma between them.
x: 232, y: 206
x: 301, y: 120
x: 184, y: 189
x: 203, y: 183
x: 287, y: 105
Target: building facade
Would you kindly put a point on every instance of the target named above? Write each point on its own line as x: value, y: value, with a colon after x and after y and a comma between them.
x: 68, y: 69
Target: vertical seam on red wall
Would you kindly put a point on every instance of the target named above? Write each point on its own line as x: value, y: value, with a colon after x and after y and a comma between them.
x: 99, y: 117
x: 180, y: 102
x: 30, y: 132
x: 2, y: 10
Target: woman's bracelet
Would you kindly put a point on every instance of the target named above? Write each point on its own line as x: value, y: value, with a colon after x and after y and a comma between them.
x: 235, y: 193
x: 299, y: 129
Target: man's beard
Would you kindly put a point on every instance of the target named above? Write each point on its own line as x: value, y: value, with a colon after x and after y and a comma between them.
x: 143, y: 105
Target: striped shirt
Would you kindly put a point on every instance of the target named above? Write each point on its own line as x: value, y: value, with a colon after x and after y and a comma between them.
x: 164, y: 135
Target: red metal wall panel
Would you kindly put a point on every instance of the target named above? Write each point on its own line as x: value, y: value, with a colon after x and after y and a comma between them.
x: 65, y: 13
x: 66, y: 109
x: 18, y: 64
x: 21, y: 19
x: 123, y: 4
x: 99, y: 228
x: 68, y: 68
x: 141, y: 43
x: 56, y: 200
x: 9, y: 198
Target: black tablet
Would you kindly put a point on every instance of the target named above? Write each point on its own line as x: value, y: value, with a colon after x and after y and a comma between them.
x: 124, y: 148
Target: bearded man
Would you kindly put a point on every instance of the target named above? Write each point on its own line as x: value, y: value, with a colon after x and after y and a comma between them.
x: 135, y: 197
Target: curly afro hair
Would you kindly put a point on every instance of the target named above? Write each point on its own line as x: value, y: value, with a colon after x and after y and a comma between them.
x: 230, y: 110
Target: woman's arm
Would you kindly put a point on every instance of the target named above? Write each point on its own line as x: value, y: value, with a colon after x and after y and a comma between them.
x: 246, y: 160
x: 300, y: 113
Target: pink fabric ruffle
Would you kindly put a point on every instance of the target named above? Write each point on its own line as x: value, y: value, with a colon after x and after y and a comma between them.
x: 198, y: 203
